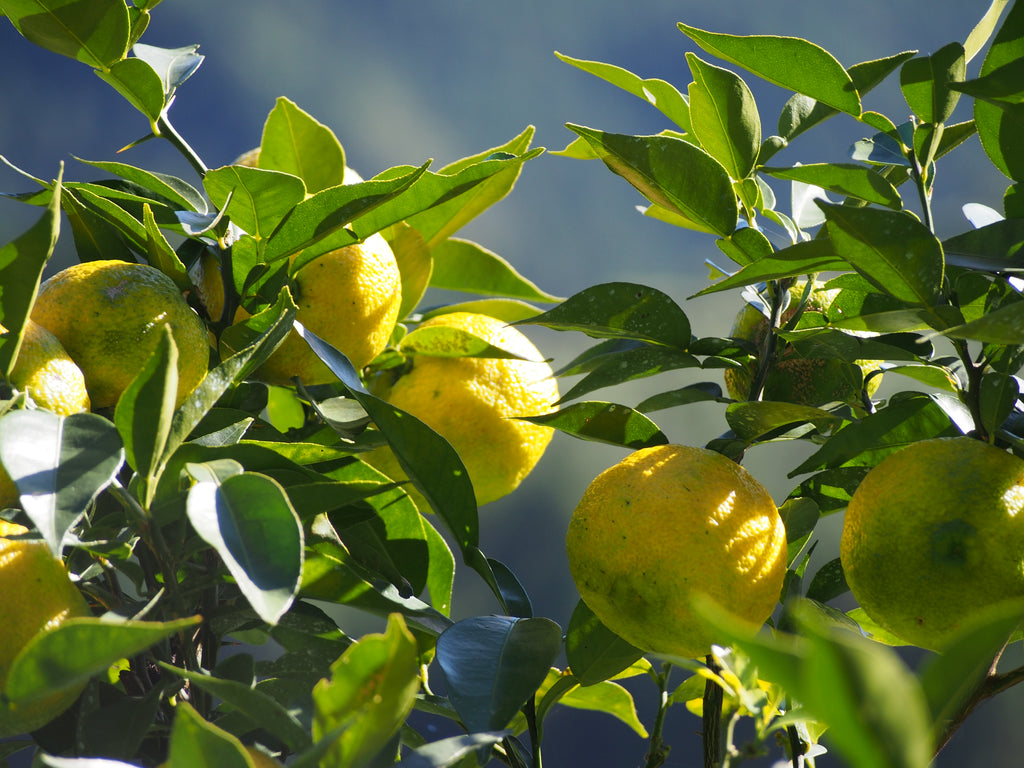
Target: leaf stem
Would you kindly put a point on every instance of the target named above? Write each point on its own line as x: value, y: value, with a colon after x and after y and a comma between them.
x: 168, y: 132
x: 658, y: 751
x: 767, y: 352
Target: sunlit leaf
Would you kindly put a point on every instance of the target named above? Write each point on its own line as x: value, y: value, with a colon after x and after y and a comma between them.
x: 95, y: 32
x: 724, y: 118
x: 604, y: 423
x: 462, y: 265
x: 296, y: 143
x: 926, y: 82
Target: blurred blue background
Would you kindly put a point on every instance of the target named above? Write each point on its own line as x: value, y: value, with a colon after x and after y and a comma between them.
x: 402, y: 81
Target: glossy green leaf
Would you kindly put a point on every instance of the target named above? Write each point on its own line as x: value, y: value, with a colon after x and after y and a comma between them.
x: 451, y: 751
x: 493, y: 664
x: 745, y: 246
x: 801, y: 112
x: 462, y: 265
x: 116, y: 216
x: 95, y: 238
x: 620, y: 311
x: 723, y: 116
x: 144, y: 410
x: 21, y: 268
x: 507, y: 310
x: 925, y: 82
x: 603, y: 422
x: 854, y: 181
x: 466, y: 188
x: 139, y: 84
x: 80, y: 648
x: 789, y: 62
x: 692, y: 393
x: 604, y: 696
x: 595, y: 653
x: 983, y: 30
x: 1001, y: 85
x: 94, y: 32
x: 160, y: 254
x: 658, y: 93
x: 172, y: 65
x: 997, y: 398
x: 295, y: 143
x: 60, y: 465
x: 904, y: 421
x: 894, y: 251
x: 444, y: 341
x: 751, y: 420
x: 630, y: 365
x: 323, y: 220
x: 829, y: 582
x: 803, y: 258
x: 1001, y: 326
x: 248, y: 519
x: 1000, y: 126
x: 177, y: 191
x: 672, y: 173
x: 197, y: 743
x: 257, y: 200
x: 949, y: 678
x: 262, y: 710
x: 371, y: 689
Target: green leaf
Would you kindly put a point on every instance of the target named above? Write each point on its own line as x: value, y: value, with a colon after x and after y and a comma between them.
x: 295, y: 143
x: 95, y: 238
x: 801, y: 112
x: 450, y: 751
x: 983, y: 30
x: 371, y: 690
x: 262, y: 710
x: 493, y: 664
x: 462, y: 265
x: 951, y: 677
x: 172, y: 65
x: 620, y: 311
x: 1001, y: 326
x: 324, y: 219
x: 904, y: 421
x: 692, y: 393
x: 474, y: 184
x: 79, y: 648
x: 892, y: 250
x: 789, y: 62
x: 60, y: 465
x: 144, y: 410
x: 999, y: 125
x: 196, y: 743
x: 997, y: 397
x: 724, y: 117
x: 751, y: 420
x: 847, y: 179
x: 595, y: 653
x: 94, y: 32
x: 442, y: 341
x: 672, y: 173
x: 139, y: 84
x: 745, y: 246
x: 926, y: 80
x: 248, y: 519
x: 606, y: 697
x: 21, y: 268
x: 658, y: 93
x: 257, y: 200
x: 176, y: 190
x: 803, y: 258
x: 602, y: 422
x: 829, y: 582
x: 629, y: 365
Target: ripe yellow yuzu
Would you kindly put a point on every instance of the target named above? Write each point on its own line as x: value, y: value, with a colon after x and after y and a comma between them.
x: 109, y: 315
x: 933, y: 535
x: 46, y: 371
x: 472, y: 402
x: 35, y: 595
x: 809, y: 381
x: 664, y: 525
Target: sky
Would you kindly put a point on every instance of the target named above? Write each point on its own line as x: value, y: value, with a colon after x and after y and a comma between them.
x: 401, y: 81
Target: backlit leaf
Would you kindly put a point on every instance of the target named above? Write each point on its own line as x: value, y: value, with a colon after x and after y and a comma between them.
x: 604, y: 423
x: 724, y: 118
x: 95, y: 32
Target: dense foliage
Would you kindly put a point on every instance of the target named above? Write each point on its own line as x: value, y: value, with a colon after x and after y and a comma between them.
x: 238, y: 517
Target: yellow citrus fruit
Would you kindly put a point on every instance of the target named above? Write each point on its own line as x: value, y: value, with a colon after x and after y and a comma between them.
x: 349, y: 297
x: 109, y: 315
x: 35, y: 595
x: 933, y: 534
x: 472, y: 402
x: 804, y: 380
x: 666, y: 524
x: 46, y: 371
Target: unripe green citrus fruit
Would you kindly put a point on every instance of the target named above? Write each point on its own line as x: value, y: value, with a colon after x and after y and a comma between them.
x: 666, y: 524
x: 933, y: 535
x: 109, y: 316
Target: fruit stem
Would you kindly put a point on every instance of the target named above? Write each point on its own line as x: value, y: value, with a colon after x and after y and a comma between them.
x: 711, y: 717
x: 658, y: 752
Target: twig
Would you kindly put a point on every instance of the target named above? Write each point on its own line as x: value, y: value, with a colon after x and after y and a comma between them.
x: 711, y: 717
